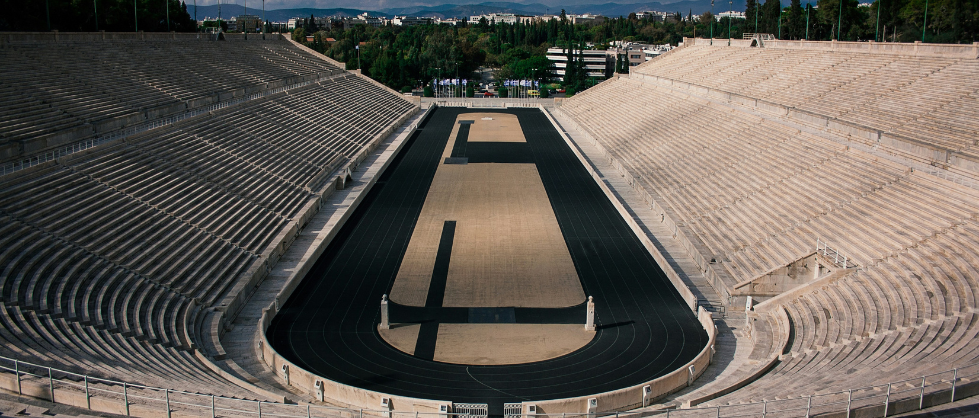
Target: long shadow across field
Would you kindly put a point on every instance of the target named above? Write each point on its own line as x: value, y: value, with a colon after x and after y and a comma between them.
x: 329, y: 325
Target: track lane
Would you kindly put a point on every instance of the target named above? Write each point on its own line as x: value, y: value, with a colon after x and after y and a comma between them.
x: 329, y: 325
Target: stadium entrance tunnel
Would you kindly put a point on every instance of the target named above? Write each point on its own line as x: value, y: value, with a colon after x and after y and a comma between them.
x: 488, y: 263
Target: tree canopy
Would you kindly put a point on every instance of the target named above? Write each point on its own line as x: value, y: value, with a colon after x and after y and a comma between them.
x: 92, y: 15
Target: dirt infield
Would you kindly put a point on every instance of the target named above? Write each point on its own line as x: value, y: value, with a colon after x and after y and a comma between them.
x: 508, y: 248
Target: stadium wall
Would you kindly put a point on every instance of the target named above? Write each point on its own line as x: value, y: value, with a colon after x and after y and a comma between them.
x: 632, y: 397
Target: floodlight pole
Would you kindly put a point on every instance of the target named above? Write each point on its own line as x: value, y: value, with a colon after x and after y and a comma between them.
x: 712, y: 22
x: 263, y: 19
x: 808, y: 8
x: 839, y: 26
x: 877, y: 31
x: 925, y: 26
x: 47, y: 13
x: 731, y: 7
x: 756, y: 16
x: 95, y: 6
x: 135, y: 16
x: 168, y: 14
x: 780, y: 22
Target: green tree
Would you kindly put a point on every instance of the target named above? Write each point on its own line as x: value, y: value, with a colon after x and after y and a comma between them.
x: 796, y: 21
x: 751, y: 14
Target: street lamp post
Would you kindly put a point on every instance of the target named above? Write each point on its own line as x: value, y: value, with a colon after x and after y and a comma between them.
x: 438, y: 81
x: 780, y: 22
x: 877, y: 31
x: 731, y: 7
x: 839, y: 26
x: 712, y: 22
x: 808, y: 7
x: 923, y: 27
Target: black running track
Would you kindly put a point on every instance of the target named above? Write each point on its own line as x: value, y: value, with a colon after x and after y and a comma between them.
x: 329, y: 325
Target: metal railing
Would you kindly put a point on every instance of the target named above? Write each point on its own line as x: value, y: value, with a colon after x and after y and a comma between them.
x: 913, y: 391
x: 839, y: 258
x: 125, y: 398
x: 129, y: 399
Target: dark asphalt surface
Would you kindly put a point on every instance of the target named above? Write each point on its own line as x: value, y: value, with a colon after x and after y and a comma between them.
x: 644, y: 331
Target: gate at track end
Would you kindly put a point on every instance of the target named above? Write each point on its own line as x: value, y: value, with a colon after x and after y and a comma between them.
x: 474, y: 410
x: 512, y: 410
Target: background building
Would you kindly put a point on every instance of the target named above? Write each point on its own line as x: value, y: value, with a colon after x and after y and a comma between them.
x: 598, y: 63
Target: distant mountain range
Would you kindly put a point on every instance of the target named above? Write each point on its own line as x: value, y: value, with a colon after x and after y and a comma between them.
x: 464, y: 11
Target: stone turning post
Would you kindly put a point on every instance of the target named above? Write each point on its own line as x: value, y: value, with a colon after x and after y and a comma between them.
x: 590, y: 320
x: 384, y: 312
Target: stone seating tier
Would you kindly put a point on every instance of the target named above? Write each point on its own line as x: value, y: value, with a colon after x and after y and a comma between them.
x: 111, y: 257
x: 758, y: 193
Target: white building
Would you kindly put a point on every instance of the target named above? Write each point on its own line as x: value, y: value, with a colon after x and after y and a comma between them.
x: 652, y: 15
x: 598, y: 63
x: 291, y: 24
x: 586, y: 19
x: 363, y: 19
x: 410, y: 21
x: 736, y: 15
x: 494, y: 18
x: 244, y: 23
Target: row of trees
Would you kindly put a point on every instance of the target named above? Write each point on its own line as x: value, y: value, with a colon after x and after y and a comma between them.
x: 404, y: 57
x: 92, y: 15
x: 948, y: 21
